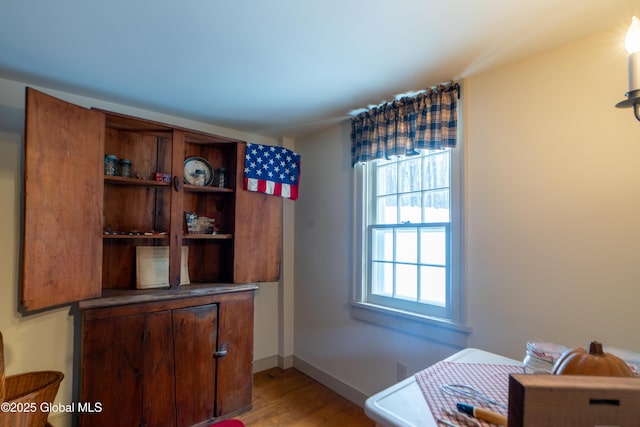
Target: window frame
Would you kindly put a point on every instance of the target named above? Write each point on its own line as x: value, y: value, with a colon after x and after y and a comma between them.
x: 448, y: 327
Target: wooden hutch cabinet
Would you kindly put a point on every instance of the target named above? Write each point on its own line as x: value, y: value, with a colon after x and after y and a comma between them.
x: 173, y: 354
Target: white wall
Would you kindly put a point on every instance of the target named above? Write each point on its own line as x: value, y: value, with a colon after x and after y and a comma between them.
x: 358, y: 357
x: 553, y: 200
x: 552, y: 221
x: 45, y: 341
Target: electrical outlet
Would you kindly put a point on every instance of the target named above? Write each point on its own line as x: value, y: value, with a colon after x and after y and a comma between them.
x: 401, y: 371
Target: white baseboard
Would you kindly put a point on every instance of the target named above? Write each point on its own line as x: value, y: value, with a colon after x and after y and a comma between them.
x: 282, y: 362
x: 345, y: 390
x: 264, y: 364
x: 285, y: 362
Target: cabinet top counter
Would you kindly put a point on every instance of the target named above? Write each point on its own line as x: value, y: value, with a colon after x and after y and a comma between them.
x: 113, y: 297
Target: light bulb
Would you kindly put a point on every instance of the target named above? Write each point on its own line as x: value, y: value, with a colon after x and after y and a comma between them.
x: 632, y: 41
x: 632, y: 45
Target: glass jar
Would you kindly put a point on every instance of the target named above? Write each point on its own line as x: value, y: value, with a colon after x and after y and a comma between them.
x: 221, y: 177
x: 541, y: 356
x: 124, y: 168
x: 110, y: 165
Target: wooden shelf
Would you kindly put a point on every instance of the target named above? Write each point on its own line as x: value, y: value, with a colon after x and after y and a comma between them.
x: 219, y: 236
x: 125, y: 204
x: 200, y: 189
x: 118, y: 180
x: 135, y: 236
x: 120, y: 297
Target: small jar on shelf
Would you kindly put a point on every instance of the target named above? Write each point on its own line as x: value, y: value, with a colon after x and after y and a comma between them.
x: 124, y: 168
x: 110, y: 165
x: 221, y: 177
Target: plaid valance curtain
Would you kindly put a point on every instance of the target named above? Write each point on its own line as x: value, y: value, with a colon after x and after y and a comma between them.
x: 428, y: 120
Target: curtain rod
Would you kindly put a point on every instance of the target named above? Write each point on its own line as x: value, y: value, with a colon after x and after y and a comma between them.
x: 448, y: 85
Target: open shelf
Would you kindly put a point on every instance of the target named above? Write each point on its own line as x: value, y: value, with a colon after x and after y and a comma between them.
x: 118, y: 180
x: 135, y: 236
x: 200, y: 189
x: 217, y: 236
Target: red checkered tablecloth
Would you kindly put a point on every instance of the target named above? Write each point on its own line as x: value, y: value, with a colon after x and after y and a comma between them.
x: 491, y: 379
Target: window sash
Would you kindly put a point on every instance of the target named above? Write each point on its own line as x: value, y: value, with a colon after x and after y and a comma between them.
x: 393, y: 189
x: 387, y: 258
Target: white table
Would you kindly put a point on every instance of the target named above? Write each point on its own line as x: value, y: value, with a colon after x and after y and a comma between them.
x: 403, y: 405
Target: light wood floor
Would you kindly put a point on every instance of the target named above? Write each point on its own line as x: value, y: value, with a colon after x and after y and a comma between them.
x: 288, y: 398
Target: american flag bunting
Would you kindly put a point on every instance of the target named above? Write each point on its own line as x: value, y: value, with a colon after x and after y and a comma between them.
x: 272, y: 170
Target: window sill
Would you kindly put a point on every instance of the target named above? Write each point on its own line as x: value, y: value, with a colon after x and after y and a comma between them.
x: 431, y: 328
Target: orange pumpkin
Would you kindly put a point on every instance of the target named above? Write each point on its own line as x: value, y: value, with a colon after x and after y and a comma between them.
x: 594, y: 362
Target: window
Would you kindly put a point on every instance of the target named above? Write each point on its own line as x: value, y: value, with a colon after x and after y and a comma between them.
x: 408, y: 233
x: 409, y: 211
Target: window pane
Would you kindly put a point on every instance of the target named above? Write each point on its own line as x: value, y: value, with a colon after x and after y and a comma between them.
x: 406, y: 280
x: 436, y: 170
x: 382, y: 244
x: 387, y: 210
x: 382, y: 279
x: 433, y: 285
x: 436, y: 206
x: 410, y: 208
x: 387, y: 179
x: 407, y: 245
x: 433, y: 246
x: 410, y: 175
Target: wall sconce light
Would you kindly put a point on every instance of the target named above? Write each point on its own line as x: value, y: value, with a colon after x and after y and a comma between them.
x: 632, y: 44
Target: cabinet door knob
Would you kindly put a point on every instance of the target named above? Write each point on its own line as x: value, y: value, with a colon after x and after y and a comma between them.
x: 221, y: 352
x: 176, y: 183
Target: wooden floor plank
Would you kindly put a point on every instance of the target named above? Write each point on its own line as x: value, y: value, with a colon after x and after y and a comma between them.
x: 288, y: 398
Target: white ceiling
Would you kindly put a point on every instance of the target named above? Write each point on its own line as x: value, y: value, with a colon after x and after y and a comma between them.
x: 279, y: 67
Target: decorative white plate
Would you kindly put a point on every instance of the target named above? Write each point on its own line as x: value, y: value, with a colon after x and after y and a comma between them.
x: 191, y: 165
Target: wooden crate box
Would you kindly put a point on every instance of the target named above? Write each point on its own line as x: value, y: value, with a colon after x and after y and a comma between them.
x: 573, y: 401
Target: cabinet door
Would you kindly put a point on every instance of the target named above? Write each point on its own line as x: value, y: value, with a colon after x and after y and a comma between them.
x: 195, y: 331
x: 235, y: 376
x: 112, y: 370
x: 128, y: 365
x: 258, y: 232
x: 62, y: 248
x: 158, y: 396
